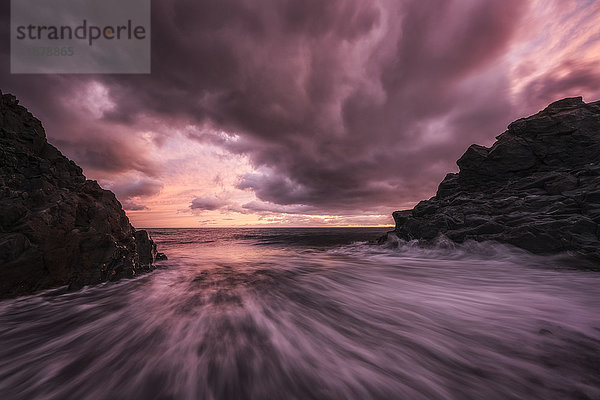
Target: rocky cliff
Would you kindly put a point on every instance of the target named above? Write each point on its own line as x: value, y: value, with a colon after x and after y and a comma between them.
x: 537, y: 187
x: 56, y: 227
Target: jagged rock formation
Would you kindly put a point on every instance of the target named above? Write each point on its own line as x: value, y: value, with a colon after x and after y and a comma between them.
x: 537, y: 187
x: 56, y: 227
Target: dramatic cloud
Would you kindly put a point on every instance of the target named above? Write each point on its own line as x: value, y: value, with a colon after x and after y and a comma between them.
x: 139, y: 188
x: 568, y: 78
x: 207, y: 204
x: 347, y: 108
x: 131, y: 205
x: 131, y: 190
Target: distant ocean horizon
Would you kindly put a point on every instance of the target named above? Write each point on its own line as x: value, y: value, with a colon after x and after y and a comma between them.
x: 388, y: 227
x: 312, y: 313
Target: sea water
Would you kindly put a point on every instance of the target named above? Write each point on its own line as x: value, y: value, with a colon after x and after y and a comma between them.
x: 313, y: 314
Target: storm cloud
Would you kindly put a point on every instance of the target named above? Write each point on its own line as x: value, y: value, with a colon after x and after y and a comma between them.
x: 339, y: 105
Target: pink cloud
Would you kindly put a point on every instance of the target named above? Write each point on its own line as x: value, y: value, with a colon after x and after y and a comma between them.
x: 338, y: 106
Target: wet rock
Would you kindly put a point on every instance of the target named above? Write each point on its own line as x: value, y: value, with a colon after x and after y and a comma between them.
x: 537, y: 187
x: 56, y: 227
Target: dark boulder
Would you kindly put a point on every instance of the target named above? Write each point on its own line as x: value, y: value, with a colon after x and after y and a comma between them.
x: 537, y: 187
x: 56, y: 227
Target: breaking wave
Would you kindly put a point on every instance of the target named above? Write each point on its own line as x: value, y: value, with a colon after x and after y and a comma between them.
x: 238, y: 314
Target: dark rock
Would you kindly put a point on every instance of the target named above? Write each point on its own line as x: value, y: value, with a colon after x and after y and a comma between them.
x: 145, y: 247
x: 56, y: 227
x: 537, y: 187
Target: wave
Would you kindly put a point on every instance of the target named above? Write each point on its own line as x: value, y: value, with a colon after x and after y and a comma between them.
x: 232, y: 320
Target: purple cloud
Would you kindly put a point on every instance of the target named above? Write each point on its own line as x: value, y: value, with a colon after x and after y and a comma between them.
x: 138, y: 188
x: 340, y: 105
x: 207, y: 204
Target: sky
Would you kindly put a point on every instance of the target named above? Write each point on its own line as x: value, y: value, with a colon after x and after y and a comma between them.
x: 311, y: 112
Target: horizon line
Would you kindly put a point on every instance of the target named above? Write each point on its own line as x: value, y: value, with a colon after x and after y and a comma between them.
x: 268, y: 227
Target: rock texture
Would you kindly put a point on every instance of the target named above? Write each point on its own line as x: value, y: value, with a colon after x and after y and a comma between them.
x: 537, y: 187
x: 56, y: 227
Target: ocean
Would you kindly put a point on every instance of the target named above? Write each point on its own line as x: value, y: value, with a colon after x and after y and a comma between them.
x: 278, y: 313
